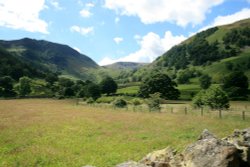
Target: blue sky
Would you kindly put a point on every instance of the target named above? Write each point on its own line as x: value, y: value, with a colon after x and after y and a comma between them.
x: 116, y: 30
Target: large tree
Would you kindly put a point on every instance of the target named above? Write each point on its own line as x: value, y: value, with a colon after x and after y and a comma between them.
x: 236, y: 84
x: 159, y: 82
x: 6, y: 87
x: 108, y: 85
x: 92, y: 91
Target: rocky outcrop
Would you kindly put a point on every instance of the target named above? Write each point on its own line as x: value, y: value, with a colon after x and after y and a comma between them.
x: 207, y: 151
x: 210, y: 151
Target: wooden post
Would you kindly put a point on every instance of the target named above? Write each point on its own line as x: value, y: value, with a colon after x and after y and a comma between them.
x: 220, y: 114
x: 134, y: 108
x: 185, y: 110
x: 201, y: 111
x: 172, y: 110
x: 243, y: 115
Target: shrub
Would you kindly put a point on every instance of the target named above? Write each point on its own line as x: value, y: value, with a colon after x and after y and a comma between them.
x: 120, y: 103
x: 90, y: 100
x: 136, y: 102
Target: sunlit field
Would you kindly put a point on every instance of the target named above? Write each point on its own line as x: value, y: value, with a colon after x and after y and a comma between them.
x: 46, y: 132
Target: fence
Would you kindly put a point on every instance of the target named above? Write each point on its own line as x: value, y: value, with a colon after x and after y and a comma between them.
x: 239, y: 112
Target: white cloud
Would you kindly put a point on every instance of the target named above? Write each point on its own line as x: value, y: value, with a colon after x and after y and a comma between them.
x: 118, y: 40
x: 23, y: 15
x: 151, y: 46
x: 117, y: 20
x: 228, y: 19
x: 82, y: 30
x: 90, y: 5
x: 85, y: 13
x: 55, y: 4
x: 77, y: 49
x: 183, y: 12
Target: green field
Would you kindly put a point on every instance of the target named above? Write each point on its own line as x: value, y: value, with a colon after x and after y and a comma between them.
x: 130, y: 90
x: 46, y: 132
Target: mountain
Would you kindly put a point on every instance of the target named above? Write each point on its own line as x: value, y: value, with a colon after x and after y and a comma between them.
x: 216, y: 51
x: 125, y: 65
x: 11, y: 65
x: 52, y: 56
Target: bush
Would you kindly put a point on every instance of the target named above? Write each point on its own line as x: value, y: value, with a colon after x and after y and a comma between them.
x: 136, y: 102
x: 214, y: 97
x: 154, y: 102
x: 120, y: 103
x: 90, y: 100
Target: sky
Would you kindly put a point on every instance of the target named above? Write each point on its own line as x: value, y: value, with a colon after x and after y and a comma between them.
x: 111, y: 31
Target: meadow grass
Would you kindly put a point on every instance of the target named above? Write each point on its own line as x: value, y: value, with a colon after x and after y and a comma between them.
x: 46, y: 132
x: 128, y: 90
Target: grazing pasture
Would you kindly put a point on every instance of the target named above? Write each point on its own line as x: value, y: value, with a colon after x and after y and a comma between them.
x: 47, y: 132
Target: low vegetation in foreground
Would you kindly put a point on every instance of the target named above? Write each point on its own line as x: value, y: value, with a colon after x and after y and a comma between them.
x: 46, y: 132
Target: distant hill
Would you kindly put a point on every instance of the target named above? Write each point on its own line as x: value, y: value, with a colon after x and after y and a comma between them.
x: 52, y: 56
x: 125, y: 65
x: 216, y: 51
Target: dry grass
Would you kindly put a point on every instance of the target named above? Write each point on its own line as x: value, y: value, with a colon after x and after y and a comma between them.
x: 45, y: 132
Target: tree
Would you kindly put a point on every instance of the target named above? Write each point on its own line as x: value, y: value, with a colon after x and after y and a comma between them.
x: 154, y: 102
x: 108, y: 85
x: 92, y: 90
x: 236, y: 84
x: 51, y: 78
x: 161, y: 83
x: 6, y: 87
x: 24, y: 86
x: 214, y: 97
x: 205, y: 81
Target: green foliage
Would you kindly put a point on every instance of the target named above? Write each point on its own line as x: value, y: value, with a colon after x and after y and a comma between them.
x: 11, y: 65
x: 159, y: 82
x: 198, y: 99
x: 214, y: 97
x: 108, y: 86
x: 205, y: 81
x: 90, y: 100
x: 24, y: 86
x: 185, y: 75
x: 154, y: 102
x: 51, y: 78
x: 236, y: 84
x: 238, y: 36
x: 6, y: 87
x: 120, y: 103
x: 92, y: 90
x: 136, y: 102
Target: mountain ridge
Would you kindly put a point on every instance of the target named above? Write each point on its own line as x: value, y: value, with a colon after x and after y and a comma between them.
x: 57, y: 57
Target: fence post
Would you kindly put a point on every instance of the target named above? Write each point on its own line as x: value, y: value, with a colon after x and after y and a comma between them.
x: 185, y: 110
x: 201, y: 111
x: 220, y: 114
x: 172, y: 110
x: 243, y: 115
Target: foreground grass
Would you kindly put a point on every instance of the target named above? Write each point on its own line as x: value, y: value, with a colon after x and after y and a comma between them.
x: 48, y: 132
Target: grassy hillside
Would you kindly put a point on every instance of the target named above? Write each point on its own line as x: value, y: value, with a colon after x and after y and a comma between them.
x: 11, y: 65
x: 56, y: 57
